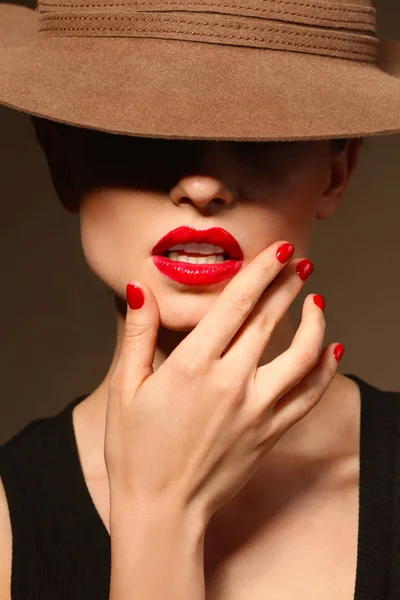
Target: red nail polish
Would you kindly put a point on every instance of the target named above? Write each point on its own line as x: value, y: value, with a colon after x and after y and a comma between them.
x: 338, y: 352
x: 284, y: 252
x: 319, y: 301
x: 134, y: 296
x: 304, y: 269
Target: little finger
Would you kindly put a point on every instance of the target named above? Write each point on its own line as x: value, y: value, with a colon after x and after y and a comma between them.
x: 297, y: 403
x: 279, y: 376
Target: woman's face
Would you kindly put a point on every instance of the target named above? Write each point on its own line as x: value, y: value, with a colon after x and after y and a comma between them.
x: 139, y: 189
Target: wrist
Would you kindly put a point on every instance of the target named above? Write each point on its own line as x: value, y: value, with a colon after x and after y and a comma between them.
x: 168, y: 516
x: 157, y: 550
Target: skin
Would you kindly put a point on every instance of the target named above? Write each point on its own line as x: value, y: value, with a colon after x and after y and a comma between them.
x: 282, y: 197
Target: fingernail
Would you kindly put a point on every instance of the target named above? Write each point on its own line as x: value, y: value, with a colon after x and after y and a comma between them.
x: 338, y: 352
x: 284, y: 252
x: 135, y: 296
x: 319, y: 301
x: 304, y: 269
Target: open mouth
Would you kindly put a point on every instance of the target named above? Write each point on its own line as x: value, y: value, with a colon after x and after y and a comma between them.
x: 197, y: 258
x: 198, y: 263
x: 194, y: 253
x: 186, y: 244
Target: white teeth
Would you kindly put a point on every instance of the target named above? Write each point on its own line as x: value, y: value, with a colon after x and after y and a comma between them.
x: 196, y: 260
x: 198, y: 248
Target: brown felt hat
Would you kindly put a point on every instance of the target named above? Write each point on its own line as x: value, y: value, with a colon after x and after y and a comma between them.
x: 246, y: 70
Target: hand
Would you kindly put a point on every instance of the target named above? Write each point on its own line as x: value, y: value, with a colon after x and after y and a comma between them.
x: 194, y: 431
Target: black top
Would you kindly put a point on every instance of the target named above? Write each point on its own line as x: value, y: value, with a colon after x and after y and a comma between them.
x: 61, y: 548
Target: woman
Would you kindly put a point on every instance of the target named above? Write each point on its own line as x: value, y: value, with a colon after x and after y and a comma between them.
x: 249, y: 451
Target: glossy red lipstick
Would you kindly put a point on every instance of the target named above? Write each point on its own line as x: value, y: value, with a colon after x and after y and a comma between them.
x: 198, y: 274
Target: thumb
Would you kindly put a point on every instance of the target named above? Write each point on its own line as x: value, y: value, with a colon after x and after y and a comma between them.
x: 142, y: 321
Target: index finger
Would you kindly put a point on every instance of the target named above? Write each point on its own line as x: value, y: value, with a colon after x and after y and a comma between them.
x: 219, y: 325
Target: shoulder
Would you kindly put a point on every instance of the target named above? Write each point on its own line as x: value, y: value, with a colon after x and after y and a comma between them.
x: 14, y: 461
x: 5, y: 546
x: 24, y: 461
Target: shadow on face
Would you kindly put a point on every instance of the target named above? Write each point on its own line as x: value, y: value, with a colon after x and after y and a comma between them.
x: 82, y: 159
x: 158, y: 164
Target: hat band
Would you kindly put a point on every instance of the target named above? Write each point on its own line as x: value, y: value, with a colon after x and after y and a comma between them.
x: 267, y: 31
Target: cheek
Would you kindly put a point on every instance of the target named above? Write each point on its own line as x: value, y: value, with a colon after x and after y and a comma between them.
x: 300, y: 220
x: 290, y: 211
x: 112, y: 218
x: 299, y: 211
x: 109, y: 228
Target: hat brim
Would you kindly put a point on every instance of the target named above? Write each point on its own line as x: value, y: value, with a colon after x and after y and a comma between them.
x: 163, y: 88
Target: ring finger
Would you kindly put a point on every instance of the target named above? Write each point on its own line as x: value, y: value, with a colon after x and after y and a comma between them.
x: 248, y: 345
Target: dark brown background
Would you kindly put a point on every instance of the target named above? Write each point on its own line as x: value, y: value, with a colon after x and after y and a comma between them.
x: 57, y: 322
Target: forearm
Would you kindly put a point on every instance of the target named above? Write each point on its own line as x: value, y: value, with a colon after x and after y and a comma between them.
x: 156, y: 552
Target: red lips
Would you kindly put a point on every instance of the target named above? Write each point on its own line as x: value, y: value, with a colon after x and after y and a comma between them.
x: 215, y: 236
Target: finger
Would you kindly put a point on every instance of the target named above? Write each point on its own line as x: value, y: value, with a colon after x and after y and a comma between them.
x: 297, y: 403
x: 249, y: 344
x: 279, y: 376
x: 135, y: 363
x: 216, y: 329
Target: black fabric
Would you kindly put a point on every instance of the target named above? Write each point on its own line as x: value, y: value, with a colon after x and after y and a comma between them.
x: 61, y: 548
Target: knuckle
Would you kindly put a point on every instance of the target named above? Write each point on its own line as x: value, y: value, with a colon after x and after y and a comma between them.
x: 193, y: 367
x: 268, y: 322
x: 135, y: 330
x: 240, y: 303
x: 186, y: 367
x: 257, y: 417
x: 230, y: 388
x: 270, y: 432
x: 308, y: 355
x: 314, y: 394
x: 263, y: 263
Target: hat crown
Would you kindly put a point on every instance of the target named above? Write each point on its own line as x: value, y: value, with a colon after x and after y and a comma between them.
x: 338, y: 28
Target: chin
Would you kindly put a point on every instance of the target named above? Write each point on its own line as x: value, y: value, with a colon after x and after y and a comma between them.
x: 179, y: 328
x: 179, y: 322
x: 184, y: 315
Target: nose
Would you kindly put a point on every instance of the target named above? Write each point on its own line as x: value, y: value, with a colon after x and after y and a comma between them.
x: 210, y: 187
x: 207, y: 193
